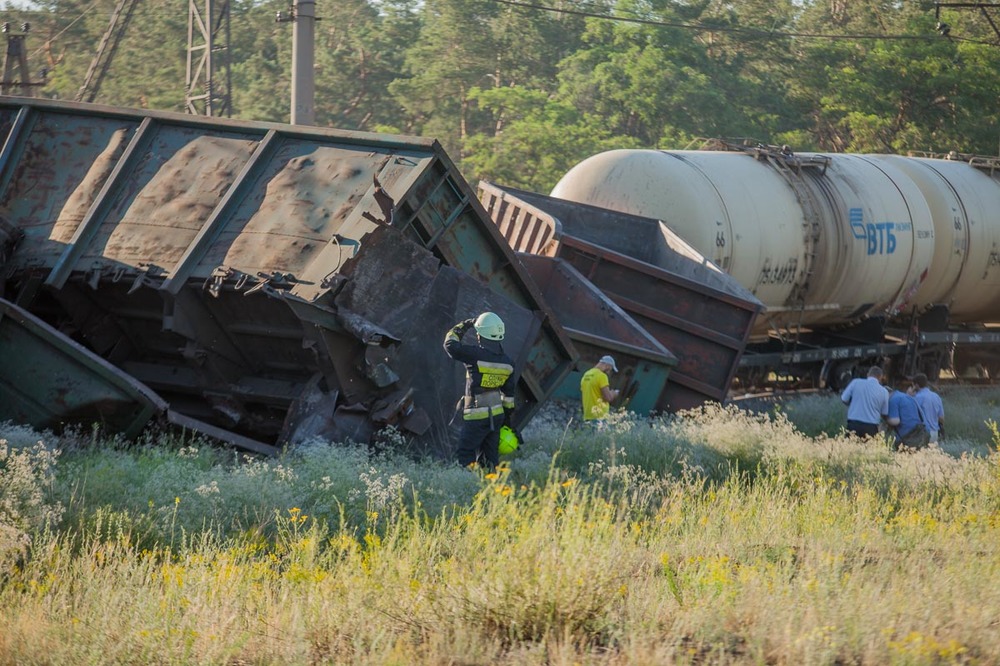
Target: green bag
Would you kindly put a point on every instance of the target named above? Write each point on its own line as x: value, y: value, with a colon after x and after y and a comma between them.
x: 917, y: 438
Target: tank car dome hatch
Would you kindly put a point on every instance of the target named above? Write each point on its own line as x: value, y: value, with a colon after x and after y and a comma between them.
x: 815, y: 246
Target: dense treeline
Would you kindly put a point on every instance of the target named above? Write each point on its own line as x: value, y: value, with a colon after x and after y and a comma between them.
x: 518, y: 91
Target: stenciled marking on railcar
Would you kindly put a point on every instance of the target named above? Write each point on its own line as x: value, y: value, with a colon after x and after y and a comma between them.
x: 879, y: 237
x: 848, y: 353
x: 782, y: 274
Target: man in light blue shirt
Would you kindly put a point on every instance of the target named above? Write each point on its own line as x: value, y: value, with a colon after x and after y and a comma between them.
x: 867, y: 403
x: 930, y: 405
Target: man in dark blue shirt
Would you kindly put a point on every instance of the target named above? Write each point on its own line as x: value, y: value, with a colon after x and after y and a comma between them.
x: 905, y: 418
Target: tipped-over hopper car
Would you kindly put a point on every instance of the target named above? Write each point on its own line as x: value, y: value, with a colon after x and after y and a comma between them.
x: 685, y: 303
x: 267, y: 282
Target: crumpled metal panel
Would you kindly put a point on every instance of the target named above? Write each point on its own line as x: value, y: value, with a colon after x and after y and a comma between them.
x: 597, y: 327
x: 255, y: 275
x: 399, y: 286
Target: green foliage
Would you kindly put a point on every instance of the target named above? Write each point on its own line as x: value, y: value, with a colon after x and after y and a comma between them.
x: 642, y: 81
x: 518, y: 94
x: 261, y: 62
x: 891, y: 94
x: 540, y: 139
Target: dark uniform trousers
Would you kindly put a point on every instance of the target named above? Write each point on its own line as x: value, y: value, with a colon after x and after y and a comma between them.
x: 479, y: 442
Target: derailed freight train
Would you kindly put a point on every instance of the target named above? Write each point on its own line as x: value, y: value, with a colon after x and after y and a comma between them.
x: 266, y: 284
x: 856, y: 258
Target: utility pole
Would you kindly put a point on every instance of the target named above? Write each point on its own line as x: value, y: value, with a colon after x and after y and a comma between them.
x: 303, y: 18
x: 16, y: 57
x: 205, y: 94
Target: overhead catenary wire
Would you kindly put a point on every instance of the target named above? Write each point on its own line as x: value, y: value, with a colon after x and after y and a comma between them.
x: 702, y: 27
x: 79, y: 18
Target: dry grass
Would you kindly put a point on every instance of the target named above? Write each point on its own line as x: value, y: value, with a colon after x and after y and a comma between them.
x: 716, y: 537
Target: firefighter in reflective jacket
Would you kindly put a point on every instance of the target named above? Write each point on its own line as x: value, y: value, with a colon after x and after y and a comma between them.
x: 489, y: 388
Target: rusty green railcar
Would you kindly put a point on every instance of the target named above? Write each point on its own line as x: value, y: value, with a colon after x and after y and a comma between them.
x: 270, y: 283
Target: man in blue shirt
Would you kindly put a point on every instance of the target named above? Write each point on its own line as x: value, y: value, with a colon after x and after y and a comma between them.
x: 904, y: 417
x: 931, y: 406
x: 867, y: 402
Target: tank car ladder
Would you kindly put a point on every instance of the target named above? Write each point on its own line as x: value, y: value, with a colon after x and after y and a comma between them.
x: 790, y: 167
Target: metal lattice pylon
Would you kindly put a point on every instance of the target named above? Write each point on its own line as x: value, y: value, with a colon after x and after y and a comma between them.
x: 99, y: 66
x: 206, y: 93
x: 16, y: 58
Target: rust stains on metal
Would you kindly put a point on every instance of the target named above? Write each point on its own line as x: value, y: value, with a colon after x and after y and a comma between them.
x: 701, y: 315
x: 273, y: 284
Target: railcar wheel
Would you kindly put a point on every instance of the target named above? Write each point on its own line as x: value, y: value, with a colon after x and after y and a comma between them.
x: 837, y: 374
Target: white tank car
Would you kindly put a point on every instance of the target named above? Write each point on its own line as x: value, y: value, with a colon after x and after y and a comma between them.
x: 819, y: 239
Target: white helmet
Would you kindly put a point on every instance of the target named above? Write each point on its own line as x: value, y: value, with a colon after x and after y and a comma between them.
x: 489, y: 326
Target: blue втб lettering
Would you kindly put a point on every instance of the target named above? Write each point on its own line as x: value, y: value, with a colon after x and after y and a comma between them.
x: 881, y: 240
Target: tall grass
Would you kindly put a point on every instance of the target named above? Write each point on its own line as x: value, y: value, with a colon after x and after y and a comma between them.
x: 716, y: 536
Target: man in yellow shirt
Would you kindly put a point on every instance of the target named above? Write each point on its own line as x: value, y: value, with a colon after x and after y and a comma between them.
x: 596, y: 394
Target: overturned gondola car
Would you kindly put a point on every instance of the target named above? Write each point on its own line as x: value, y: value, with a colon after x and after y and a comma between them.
x: 267, y: 283
x: 685, y: 304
